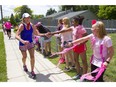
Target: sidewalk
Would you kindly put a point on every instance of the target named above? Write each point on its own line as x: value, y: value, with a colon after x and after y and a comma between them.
x: 45, y: 70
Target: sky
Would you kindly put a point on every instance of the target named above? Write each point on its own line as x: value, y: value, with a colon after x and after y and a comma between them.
x: 42, y: 7
x: 37, y: 9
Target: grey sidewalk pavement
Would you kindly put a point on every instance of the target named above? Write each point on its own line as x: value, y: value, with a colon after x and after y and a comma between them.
x: 45, y: 70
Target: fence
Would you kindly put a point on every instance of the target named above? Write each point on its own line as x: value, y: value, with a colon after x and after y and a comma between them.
x: 86, y: 23
x: 52, y: 24
x: 108, y: 23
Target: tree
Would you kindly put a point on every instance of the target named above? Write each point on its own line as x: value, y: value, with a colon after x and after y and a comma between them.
x: 6, y: 18
x: 68, y: 7
x: 38, y: 16
x: 51, y: 11
x: 12, y: 20
x: 26, y: 9
x: 17, y: 19
x: 107, y: 12
x: 22, y: 9
x: 92, y: 8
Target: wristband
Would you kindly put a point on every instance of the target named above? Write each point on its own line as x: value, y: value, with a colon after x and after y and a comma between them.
x: 107, y: 62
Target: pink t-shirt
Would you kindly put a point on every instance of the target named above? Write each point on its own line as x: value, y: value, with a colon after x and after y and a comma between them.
x: 78, y: 31
x: 95, y: 43
x: 7, y: 25
x: 66, y: 36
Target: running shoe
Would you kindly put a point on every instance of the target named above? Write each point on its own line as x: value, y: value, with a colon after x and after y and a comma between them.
x: 25, y: 68
x: 66, y: 69
x: 76, y: 77
x: 33, y: 75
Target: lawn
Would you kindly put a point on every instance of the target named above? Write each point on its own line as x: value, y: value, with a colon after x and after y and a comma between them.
x: 0, y: 26
x: 111, y: 70
x: 3, y: 74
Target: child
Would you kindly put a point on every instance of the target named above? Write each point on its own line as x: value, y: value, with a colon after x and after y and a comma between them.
x: 98, y: 37
x: 78, y: 32
x: 58, y: 38
x: 46, y: 42
x: 66, y: 36
x: 80, y: 50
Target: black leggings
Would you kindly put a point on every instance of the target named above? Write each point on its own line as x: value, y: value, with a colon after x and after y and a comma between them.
x: 100, y: 79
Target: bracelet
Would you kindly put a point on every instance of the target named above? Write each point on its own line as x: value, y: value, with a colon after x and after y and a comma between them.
x: 107, y: 62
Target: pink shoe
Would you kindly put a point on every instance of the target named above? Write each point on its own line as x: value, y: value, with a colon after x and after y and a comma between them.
x: 62, y: 60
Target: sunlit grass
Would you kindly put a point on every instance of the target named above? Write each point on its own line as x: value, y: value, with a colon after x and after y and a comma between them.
x: 3, y: 74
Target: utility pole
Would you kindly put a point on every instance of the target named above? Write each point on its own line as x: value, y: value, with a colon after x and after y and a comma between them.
x: 1, y: 15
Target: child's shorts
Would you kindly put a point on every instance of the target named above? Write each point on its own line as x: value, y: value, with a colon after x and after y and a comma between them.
x: 80, y: 48
x: 26, y: 47
x: 47, y: 40
x: 58, y: 39
x: 65, y: 44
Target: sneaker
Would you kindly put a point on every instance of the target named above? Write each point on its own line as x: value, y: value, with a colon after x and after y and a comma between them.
x: 9, y: 37
x: 62, y: 60
x: 25, y: 68
x: 72, y: 67
x: 66, y: 69
x: 49, y: 53
x: 33, y: 75
x: 76, y: 77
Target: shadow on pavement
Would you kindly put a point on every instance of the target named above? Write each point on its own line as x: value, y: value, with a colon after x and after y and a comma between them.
x: 44, y: 78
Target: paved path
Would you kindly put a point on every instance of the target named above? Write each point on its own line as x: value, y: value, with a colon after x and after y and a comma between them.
x: 45, y: 70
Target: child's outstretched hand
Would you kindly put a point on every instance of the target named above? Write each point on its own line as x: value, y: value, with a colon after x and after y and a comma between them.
x: 105, y: 64
x: 70, y: 44
x: 48, y: 34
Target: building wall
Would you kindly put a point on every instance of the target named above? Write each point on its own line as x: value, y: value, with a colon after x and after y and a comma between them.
x: 89, y: 15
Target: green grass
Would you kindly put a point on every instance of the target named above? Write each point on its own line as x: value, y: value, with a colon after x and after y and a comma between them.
x: 0, y: 26
x: 3, y: 74
x: 111, y: 70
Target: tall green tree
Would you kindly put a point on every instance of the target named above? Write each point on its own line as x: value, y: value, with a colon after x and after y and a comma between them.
x: 17, y: 19
x: 50, y: 11
x: 107, y: 12
x: 12, y: 20
x: 22, y: 9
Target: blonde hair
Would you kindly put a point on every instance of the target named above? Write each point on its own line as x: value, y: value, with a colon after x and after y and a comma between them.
x: 66, y: 22
x: 99, y: 25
